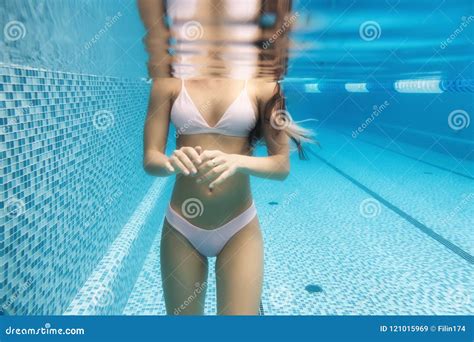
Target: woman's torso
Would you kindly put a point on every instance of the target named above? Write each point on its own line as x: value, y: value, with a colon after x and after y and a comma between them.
x: 231, y: 197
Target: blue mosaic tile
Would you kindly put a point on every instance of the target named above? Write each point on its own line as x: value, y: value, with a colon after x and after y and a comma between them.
x: 71, y: 172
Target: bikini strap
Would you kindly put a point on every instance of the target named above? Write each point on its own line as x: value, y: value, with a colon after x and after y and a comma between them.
x: 183, y: 87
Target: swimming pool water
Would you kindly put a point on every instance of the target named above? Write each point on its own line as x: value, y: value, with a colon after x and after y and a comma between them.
x: 365, y: 256
x: 378, y: 221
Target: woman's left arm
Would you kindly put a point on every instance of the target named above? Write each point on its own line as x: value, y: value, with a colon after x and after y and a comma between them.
x: 218, y: 166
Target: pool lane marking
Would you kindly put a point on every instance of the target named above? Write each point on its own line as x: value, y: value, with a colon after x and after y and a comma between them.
x: 406, y: 155
x: 428, y: 231
x: 100, y: 282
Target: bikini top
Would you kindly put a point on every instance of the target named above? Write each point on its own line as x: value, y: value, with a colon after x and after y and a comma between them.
x: 238, y: 120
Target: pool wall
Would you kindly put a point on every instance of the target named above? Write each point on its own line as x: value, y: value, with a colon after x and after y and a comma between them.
x: 72, y: 175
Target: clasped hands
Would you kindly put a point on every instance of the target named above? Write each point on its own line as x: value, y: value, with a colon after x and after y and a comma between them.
x: 207, y: 166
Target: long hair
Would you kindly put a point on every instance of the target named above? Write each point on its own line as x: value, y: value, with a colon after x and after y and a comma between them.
x: 276, y: 114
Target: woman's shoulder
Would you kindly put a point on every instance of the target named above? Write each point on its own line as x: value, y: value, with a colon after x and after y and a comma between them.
x: 166, y: 86
x: 263, y: 88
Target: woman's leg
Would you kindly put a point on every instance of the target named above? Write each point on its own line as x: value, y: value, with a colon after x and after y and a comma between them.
x: 183, y: 274
x: 239, y: 272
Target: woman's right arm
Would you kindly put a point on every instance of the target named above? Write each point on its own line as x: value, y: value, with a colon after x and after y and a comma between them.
x: 155, y: 161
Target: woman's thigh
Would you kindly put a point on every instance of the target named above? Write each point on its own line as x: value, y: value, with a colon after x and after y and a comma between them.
x: 183, y: 274
x: 239, y: 272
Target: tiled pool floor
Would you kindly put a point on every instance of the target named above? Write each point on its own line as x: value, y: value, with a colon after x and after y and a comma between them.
x: 321, y: 227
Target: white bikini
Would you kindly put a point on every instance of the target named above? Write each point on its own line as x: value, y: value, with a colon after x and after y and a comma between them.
x: 238, y: 121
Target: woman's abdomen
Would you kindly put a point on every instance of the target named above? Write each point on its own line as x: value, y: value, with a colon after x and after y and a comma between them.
x: 197, y: 203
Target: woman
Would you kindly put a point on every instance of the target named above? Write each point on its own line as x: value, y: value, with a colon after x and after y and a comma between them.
x: 218, y: 122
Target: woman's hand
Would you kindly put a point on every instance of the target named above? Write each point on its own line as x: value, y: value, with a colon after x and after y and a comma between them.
x: 217, y: 166
x: 184, y: 160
